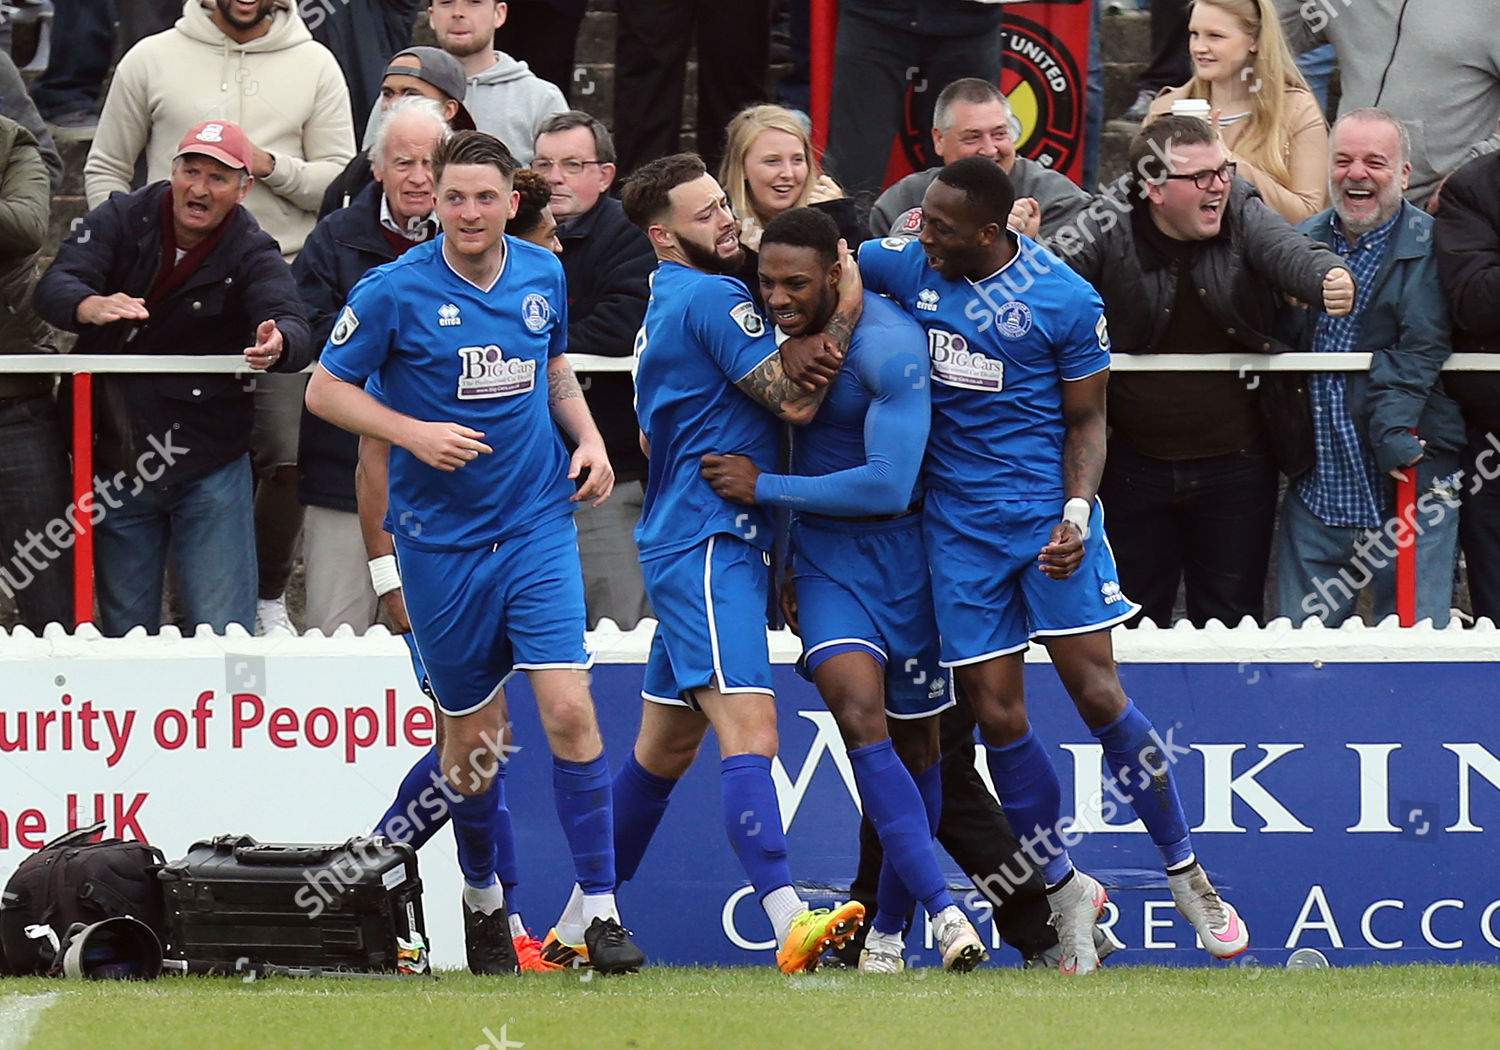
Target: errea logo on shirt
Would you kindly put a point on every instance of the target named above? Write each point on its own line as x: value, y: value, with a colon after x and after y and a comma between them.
x: 927, y: 299
x: 1111, y: 592
x: 448, y: 316
x: 487, y: 372
x: 954, y: 364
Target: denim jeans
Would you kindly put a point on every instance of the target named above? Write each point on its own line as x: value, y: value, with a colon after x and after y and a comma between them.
x: 1321, y: 568
x: 205, y: 525
x: 83, y: 34
x: 1317, y: 68
x: 1207, y: 521
x: 34, y: 490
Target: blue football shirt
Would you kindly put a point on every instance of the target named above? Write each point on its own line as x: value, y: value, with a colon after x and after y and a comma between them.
x: 862, y: 454
x: 702, y: 334
x: 445, y: 350
x: 1001, y: 349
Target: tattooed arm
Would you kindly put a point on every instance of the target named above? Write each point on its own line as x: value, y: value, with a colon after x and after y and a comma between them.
x: 796, y: 400
x: 571, y: 412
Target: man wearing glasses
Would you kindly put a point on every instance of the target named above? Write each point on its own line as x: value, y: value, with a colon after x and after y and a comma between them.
x: 1190, y: 260
x: 608, y: 262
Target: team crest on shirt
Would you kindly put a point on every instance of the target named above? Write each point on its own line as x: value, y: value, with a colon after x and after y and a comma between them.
x: 955, y: 364
x: 927, y: 299
x: 448, y: 316
x: 344, y: 327
x: 750, y: 322
x: 1013, y: 319
x: 486, y: 372
x: 536, y: 312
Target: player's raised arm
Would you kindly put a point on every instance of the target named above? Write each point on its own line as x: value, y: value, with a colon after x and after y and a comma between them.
x: 571, y: 412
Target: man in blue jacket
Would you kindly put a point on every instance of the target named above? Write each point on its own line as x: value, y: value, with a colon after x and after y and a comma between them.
x: 178, y: 267
x: 389, y: 216
x: 1339, y: 525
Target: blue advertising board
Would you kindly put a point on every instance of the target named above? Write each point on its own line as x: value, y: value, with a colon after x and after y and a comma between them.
x: 1346, y: 807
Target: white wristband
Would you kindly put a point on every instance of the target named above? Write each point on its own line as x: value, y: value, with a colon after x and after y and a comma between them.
x: 384, y: 576
x: 1077, y: 511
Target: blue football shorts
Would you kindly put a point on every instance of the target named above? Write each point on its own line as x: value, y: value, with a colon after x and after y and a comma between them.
x: 710, y: 605
x: 991, y: 598
x: 478, y: 615
x: 864, y: 587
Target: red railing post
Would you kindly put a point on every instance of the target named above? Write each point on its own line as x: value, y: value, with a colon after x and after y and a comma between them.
x: 823, y: 28
x: 1406, y: 548
x: 83, y: 486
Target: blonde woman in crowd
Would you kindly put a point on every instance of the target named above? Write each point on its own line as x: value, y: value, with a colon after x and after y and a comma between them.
x: 769, y: 166
x: 1270, y: 122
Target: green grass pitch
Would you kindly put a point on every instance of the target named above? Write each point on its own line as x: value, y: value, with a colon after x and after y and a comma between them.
x: 1119, y: 1009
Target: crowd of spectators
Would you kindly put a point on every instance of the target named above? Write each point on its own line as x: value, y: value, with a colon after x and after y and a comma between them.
x: 252, y: 159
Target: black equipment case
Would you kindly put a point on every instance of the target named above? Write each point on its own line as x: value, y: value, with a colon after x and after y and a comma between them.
x: 234, y: 904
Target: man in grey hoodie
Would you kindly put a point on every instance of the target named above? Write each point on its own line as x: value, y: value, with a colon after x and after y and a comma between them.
x: 505, y: 97
x: 1435, y: 64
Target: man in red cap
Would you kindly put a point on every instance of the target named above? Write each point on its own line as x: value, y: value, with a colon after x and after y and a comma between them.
x: 178, y: 267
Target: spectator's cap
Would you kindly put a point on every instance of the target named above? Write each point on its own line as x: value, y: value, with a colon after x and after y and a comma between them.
x: 444, y: 72
x: 222, y: 141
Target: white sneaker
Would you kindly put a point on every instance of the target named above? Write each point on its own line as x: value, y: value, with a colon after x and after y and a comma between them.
x: 882, y: 953
x: 1218, y: 924
x: 271, y: 617
x: 1076, y: 907
x: 1049, y: 958
x: 958, y: 940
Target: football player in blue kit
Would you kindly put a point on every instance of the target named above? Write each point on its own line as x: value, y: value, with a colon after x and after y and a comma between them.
x: 458, y: 330
x: 710, y: 379
x: 1015, y: 536
x: 861, y: 597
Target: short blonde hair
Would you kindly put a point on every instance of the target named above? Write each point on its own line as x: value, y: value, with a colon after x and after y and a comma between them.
x: 744, y: 129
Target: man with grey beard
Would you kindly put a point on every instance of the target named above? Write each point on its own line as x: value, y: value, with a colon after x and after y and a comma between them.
x: 1373, y: 429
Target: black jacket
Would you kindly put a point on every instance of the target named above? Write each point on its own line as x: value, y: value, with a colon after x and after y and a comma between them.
x: 1467, y: 243
x: 242, y: 282
x: 336, y: 255
x: 1242, y: 274
x: 929, y: 17
x: 608, y: 263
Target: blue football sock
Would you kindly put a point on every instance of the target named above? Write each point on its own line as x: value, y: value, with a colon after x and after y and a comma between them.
x: 896, y: 808
x: 506, y: 867
x: 474, y: 831
x: 1029, y: 790
x: 585, y: 809
x: 640, y: 799
x: 1143, y: 776
x: 752, y: 817
x: 420, y: 804
x: 930, y: 787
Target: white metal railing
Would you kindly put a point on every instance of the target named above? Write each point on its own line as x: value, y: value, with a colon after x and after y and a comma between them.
x: 84, y: 366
